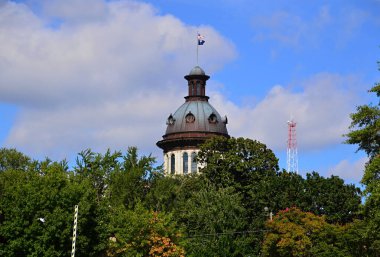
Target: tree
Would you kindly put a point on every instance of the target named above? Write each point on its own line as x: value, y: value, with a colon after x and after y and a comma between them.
x: 37, y: 207
x: 249, y: 168
x: 214, y: 221
x: 130, y: 182
x: 140, y: 232
x: 365, y: 132
x: 331, y: 197
x: 236, y: 162
x: 365, y: 127
x: 296, y: 233
x: 12, y: 159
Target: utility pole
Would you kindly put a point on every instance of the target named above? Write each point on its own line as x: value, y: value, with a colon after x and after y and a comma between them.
x: 74, y: 231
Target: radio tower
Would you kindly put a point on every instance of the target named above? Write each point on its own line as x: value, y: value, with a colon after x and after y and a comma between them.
x: 292, y: 156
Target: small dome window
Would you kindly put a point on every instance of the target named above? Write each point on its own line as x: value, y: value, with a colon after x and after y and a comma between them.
x: 212, y: 118
x: 170, y: 120
x: 190, y: 118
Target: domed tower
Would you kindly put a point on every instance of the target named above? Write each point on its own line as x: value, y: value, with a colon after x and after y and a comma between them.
x: 193, y: 122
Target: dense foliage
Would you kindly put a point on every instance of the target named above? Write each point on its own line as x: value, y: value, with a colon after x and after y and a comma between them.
x: 127, y: 207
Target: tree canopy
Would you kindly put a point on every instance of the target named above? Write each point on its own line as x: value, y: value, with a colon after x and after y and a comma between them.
x: 128, y: 207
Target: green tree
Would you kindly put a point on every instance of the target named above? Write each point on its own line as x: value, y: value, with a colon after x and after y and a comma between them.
x: 140, y: 232
x: 236, y: 162
x: 97, y: 168
x: 331, y: 197
x: 296, y: 233
x: 214, y: 222
x: 12, y: 159
x: 248, y: 167
x: 365, y: 127
x: 130, y: 182
x: 37, y: 208
x: 365, y: 132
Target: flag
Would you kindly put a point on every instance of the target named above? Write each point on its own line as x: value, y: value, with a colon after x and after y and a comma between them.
x: 201, y: 40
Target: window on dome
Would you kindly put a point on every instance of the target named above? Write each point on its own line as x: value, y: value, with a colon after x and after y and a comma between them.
x: 172, y: 164
x: 170, y: 120
x: 185, y: 163
x: 193, y: 162
x: 190, y: 118
x: 212, y: 118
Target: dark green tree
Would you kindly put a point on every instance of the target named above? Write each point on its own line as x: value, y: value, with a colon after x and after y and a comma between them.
x: 11, y: 159
x: 331, y: 197
x: 236, y: 162
x: 97, y: 168
x: 37, y: 209
x: 214, y: 222
x: 131, y: 181
x: 250, y: 168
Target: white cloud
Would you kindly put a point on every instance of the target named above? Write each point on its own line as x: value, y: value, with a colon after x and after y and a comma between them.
x: 75, y: 11
x: 98, y: 81
x: 349, y: 171
x: 321, y: 109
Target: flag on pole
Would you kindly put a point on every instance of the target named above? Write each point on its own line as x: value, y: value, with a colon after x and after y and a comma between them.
x: 201, y: 40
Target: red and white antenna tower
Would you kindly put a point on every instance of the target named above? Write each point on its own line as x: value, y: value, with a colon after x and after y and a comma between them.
x: 292, y: 156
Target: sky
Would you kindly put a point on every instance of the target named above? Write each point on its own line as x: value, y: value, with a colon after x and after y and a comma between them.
x: 78, y: 74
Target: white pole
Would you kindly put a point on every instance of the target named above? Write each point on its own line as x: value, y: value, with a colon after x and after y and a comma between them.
x: 197, y: 51
x: 74, y: 231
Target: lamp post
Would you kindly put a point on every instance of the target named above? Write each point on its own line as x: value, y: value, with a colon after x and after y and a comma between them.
x: 267, y: 213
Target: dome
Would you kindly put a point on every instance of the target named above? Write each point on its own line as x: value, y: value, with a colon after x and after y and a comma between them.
x: 197, y: 71
x: 196, y: 116
x: 194, y: 121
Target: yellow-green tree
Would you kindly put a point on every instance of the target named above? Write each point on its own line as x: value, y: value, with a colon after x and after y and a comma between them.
x: 293, y: 232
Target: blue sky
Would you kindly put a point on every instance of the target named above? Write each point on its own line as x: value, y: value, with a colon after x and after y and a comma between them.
x: 79, y: 74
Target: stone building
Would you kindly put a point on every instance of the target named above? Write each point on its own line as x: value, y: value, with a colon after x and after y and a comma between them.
x: 190, y: 125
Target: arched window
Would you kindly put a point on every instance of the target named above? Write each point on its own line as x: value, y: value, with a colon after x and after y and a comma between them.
x: 185, y: 164
x: 194, y: 88
x: 193, y: 162
x: 198, y: 88
x: 212, y: 118
x: 172, y: 164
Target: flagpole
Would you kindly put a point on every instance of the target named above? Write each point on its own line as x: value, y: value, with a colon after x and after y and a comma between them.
x: 197, y: 46
x: 200, y: 41
x: 197, y: 51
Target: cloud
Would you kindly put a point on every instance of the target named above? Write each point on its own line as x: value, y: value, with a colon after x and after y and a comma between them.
x: 105, y: 79
x: 74, y: 11
x: 349, y: 171
x: 320, y: 107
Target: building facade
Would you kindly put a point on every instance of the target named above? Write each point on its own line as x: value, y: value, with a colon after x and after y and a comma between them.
x: 191, y: 125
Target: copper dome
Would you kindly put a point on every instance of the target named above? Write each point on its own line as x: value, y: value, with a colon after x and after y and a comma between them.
x: 195, y: 120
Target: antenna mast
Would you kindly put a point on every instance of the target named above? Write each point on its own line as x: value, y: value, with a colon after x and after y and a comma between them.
x: 292, y: 155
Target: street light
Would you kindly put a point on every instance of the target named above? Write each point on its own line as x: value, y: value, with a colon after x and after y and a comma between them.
x: 267, y: 213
